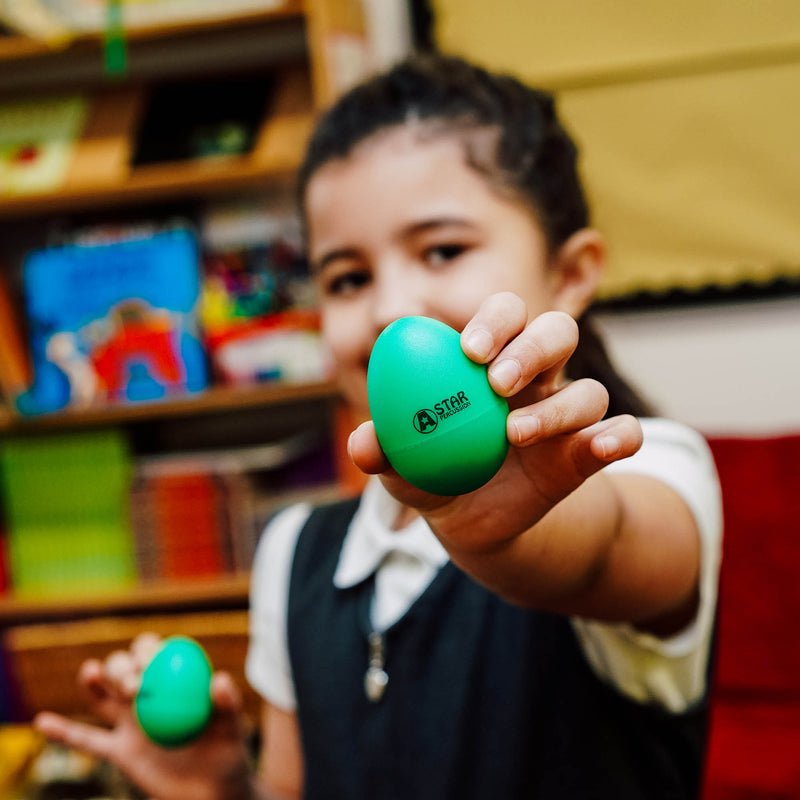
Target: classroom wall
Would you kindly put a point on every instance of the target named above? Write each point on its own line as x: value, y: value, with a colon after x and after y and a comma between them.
x: 686, y: 115
x: 728, y: 369
x: 687, y: 118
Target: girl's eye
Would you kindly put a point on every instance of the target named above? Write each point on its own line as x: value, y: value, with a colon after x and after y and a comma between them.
x: 443, y: 253
x: 346, y: 282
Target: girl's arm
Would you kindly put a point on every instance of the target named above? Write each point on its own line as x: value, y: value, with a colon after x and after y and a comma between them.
x: 551, y: 530
x: 280, y: 771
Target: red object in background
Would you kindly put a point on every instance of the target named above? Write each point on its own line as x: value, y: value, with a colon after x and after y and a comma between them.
x: 26, y: 154
x: 187, y: 516
x: 754, y: 741
x: 149, y: 340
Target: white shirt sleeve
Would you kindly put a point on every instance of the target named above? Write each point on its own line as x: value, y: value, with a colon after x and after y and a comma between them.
x: 267, y: 665
x: 670, y: 671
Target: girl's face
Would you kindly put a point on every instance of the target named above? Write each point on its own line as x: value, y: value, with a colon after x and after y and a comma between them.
x: 405, y: 226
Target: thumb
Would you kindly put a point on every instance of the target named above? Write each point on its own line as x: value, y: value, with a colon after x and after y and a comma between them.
x: 227, y: 701
x: 225, y: 694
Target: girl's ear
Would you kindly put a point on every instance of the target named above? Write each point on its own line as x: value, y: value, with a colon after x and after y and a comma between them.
x: 577, y: 269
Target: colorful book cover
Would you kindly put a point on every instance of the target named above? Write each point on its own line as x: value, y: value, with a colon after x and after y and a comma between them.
x: 66, y: 506
x: 38, y: 138
x: 258, y: 307
x: 113, y: 321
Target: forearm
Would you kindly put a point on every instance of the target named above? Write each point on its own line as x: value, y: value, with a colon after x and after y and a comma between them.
x: 552, y: 564
x: 261, y: 793
x: 616, y: 549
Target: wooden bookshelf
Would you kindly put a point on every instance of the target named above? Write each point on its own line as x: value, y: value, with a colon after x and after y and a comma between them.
x: 294, y: 46
x: 101, y: 173
x: 162, y: 596
x: 212, y: 400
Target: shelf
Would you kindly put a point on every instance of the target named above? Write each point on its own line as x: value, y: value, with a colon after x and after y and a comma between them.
x: 17, y: 47
x: 157, y: 596
x: 306, y: 51
x: 101, y: 174
x: 211, y: 400
x: 222, y: 591
x: 176, y: 181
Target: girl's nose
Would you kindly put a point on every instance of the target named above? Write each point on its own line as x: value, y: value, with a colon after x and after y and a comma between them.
x: 396, y: 295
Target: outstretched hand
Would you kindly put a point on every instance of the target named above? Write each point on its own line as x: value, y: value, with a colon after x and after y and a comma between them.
x: 213, y: 767
x: 556, y: 430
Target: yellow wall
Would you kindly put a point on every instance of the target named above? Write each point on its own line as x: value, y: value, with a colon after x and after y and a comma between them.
x: 688, y: 117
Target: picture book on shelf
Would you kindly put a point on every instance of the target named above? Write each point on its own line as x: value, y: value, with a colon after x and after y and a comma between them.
x: 113, y: 320
x: 38, y: 137
x: 65, y: 500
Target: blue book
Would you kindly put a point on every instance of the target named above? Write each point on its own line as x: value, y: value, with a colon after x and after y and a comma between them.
x: 113, y: 322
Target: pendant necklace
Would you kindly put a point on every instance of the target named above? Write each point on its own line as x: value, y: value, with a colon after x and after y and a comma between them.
x: 375, y: 678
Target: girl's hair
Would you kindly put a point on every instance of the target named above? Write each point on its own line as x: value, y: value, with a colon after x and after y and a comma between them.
x: 531, y: 155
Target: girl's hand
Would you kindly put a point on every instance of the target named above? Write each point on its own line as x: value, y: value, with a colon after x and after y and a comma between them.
x: 558, y: 440
x: 213, y: 767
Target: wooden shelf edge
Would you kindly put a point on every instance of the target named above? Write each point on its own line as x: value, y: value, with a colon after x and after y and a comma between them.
x: 212, y: 592
x: 16, y: 47
x: 211, y: 400
x: 287, y: 136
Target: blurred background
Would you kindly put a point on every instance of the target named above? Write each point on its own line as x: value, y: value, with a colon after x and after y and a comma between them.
x: 163, y: 386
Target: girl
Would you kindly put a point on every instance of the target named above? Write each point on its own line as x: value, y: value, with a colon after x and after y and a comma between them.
x: 545, y: 636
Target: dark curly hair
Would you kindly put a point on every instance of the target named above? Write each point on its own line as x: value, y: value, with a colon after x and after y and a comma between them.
x: 532, y: 156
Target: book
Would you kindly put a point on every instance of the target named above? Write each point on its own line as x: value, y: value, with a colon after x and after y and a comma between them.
x: 38, y: 138
x: 16, y: 371
x: 66, y: 507
x: 114, y: 319
x: 201, y: 513
x: 258, y: 306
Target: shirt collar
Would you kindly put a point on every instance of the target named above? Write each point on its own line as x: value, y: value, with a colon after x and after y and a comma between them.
x: 370, y: 538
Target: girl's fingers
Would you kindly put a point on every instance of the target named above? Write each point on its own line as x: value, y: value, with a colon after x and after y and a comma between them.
x: 122, y: 674
x: 143, y: 648
x: 500, y: 317
x: 101, y: 694
x: 575, y: 406
x: 110, y: 686
x: 87, y: 738
x: 608, y: 441
x: 616, y: 438
x: 538, y: 353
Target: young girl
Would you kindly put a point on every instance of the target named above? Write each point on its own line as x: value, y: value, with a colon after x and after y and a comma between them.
x: 545, y: 636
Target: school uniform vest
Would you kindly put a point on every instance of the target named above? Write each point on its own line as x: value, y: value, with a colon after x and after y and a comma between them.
x: 484, y: 700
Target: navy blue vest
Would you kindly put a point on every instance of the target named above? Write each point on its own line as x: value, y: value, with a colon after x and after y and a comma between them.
x: 485, y: 700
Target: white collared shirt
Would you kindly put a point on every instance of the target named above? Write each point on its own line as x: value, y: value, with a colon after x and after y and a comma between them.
x: 670, y: 672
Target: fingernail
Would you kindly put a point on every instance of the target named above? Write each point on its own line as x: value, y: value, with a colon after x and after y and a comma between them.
x: 527, y: 427
x: 609, y: 446
x: 480, y: 343
x: 505, y: 374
